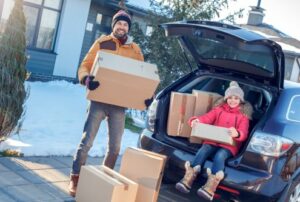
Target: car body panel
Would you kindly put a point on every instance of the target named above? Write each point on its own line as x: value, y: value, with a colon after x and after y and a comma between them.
x: 285, y: 119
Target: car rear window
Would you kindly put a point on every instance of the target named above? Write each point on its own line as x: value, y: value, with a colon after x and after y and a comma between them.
x: 222, y: 49
x: 293, y: 113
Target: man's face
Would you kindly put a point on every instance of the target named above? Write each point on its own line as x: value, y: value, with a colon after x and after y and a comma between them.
x: 120, y: 29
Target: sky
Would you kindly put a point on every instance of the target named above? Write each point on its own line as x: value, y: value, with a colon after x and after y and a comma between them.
x: 282, y: 14
x: 54, y: 119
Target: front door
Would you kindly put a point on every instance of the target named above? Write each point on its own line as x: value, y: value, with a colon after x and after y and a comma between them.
x: 102, y: 25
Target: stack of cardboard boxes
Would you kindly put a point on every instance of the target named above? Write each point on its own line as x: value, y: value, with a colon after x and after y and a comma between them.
x: 183, y: 106
x: 139, y: 179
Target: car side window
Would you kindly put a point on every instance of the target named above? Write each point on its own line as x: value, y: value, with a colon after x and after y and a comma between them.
x: 293, y: 113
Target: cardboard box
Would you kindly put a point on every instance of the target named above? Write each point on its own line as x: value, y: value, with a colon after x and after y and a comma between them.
x: 102, y: 184
x: 204, y: 101
x: 213, y: 133
x: 124, y: 81
x: 145, y: 168
x: 195, y: 139
x: 180, y: 110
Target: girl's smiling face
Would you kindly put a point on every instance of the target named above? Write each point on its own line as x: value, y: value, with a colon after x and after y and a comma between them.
x: 233, y: 101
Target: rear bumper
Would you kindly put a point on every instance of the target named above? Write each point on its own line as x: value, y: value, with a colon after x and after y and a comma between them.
x: 250, y: 184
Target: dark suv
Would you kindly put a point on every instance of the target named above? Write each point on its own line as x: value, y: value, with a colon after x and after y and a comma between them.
x: 267, y: 166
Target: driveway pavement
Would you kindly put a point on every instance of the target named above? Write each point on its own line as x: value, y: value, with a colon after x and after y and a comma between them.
x: 30, y: 179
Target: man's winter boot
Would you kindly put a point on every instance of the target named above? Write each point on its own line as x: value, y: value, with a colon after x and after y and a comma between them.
x: 186, y: 182
x: 73, y: 184
x: 208, y: 190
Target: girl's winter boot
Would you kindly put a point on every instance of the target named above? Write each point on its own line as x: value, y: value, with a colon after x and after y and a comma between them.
x: 208, y: 190
x: 186, y: 182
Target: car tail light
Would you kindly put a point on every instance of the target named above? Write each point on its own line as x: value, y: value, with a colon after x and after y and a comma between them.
x: 151, y: 115
x: 270, y: 145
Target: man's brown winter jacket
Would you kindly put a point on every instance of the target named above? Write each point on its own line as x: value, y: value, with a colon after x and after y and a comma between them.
x: 112, y: 45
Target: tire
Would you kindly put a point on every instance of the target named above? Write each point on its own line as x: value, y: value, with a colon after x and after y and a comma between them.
x: 294, y: 191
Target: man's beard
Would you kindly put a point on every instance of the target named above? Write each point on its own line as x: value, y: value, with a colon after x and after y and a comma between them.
x: 119, y: 35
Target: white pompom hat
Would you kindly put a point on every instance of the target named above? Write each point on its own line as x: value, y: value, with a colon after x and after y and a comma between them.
x: 234, y: 89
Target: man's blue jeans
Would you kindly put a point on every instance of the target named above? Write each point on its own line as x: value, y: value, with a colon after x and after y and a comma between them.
x: 116, y: 121
x: 220, y: 156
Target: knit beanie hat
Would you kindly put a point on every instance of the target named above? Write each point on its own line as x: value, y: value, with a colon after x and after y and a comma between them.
x: 234, y: 89
x: 121, y: 15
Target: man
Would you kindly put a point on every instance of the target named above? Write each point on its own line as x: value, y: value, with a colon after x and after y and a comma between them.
x: 118, y: 42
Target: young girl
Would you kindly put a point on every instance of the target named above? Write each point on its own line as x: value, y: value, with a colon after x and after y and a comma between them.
x: 232, y: 113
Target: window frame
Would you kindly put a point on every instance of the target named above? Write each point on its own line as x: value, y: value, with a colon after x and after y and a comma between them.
x: 38, y: 24
x: 40, y: 9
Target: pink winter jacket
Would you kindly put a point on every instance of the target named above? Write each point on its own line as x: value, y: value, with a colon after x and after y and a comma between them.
x: 225, y: 116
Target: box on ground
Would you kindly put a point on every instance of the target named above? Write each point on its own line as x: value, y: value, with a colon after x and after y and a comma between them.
x: 123, y: 81
x: 145, y: 168
x: 180, y: 110
x: 102, y: 184
x: 212, y: 133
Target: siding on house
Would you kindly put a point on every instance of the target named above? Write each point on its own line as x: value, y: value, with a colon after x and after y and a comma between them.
x: 295, y: 71
x: 89, y: 36
x: 40, y: 62
x: 289, y: 62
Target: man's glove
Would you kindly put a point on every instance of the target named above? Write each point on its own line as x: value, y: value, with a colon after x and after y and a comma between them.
x: 89, y: 82
x: 148, y: 102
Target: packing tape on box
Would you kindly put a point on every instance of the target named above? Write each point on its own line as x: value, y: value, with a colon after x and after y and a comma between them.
x: 182, y: 114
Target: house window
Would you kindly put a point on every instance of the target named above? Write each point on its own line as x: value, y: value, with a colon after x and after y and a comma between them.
x: 103, y: 20
x: 99, y: 18
x: 42, y: 17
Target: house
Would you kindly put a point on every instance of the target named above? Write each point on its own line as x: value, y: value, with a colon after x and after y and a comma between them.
x: 60, y: 32
x: 290, y: 46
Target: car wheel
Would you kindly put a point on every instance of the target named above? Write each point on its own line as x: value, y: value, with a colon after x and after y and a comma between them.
x: 294, y: 192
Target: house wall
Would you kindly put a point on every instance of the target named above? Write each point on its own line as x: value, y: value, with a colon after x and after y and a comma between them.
x: 40, y: 62
x: 289, y: 63
x: 295, y: 71
x: 70, y: 37
x: 89, y: 35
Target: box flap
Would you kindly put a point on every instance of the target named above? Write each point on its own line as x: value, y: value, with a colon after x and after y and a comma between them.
x: 133, y: 67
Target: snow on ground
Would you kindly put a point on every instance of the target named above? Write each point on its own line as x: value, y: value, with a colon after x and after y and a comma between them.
x: 54, y: 119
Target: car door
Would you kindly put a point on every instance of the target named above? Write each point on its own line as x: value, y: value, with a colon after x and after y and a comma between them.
x: 218, y: 47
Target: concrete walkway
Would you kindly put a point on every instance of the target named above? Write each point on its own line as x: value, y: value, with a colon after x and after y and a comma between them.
x: 35, y: 178
x: 45, y: 179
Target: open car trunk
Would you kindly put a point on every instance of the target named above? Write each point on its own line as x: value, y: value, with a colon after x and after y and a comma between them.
x: 259, y: 98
